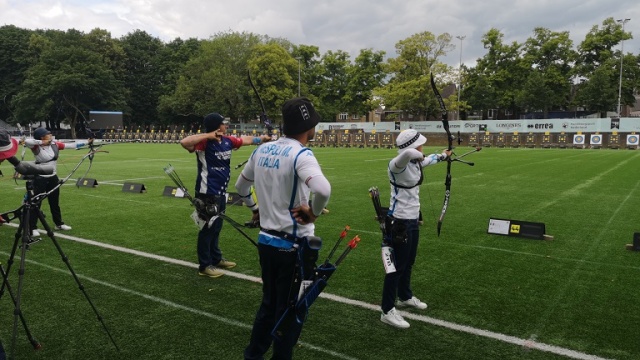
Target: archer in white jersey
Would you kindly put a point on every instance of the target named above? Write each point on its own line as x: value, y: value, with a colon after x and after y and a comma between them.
x: 405, y: 177
x: 284, y: 173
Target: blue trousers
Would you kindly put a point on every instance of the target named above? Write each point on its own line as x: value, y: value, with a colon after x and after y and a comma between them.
x: 398, y: 283
x: 208, y: 238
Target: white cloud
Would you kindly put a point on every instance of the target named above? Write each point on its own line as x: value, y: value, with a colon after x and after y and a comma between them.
x: 349, y: 25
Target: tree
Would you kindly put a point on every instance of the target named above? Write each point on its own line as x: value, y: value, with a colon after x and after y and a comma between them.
x: 143, y: 76
x: 408, y: 88
x: 274, y: 73
x: 495, y: 81
x: 214, y: 79
x: 331, y: 90
x: 599, y: 93
x: 548, y: 57
x: 71, y: 76
x: 310, y: 69
x: 597, y: 60
x: 15, y: 60
x: 172, y: 60
x: 365, y: 75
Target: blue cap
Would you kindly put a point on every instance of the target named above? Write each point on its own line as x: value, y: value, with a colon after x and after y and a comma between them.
x: 40, y: 133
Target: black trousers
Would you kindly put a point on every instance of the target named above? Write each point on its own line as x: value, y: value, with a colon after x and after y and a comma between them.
x: 278, y: 270
x: 44, y: 184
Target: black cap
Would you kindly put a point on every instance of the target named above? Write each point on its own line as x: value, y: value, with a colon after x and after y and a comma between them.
x: 212, y: 122
x: 298, y: 116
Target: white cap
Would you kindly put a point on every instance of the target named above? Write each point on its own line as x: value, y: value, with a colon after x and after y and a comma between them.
x: 409, y: 139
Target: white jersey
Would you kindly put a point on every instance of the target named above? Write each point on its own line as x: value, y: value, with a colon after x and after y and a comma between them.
x: 45, y: 154
x: 281, y: 170
x: 405, y: 188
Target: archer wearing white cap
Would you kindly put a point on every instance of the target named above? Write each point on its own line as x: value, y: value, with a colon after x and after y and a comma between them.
x: 405, y: 176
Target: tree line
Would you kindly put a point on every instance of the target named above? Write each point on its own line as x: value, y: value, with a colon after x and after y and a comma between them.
x: 53, y: 77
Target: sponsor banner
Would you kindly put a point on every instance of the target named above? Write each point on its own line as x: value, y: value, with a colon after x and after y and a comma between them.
x: 596, y: 139
x: 578, y: 139
x: 633, y: 139
x: 523, y: 126
x: 629, y: 125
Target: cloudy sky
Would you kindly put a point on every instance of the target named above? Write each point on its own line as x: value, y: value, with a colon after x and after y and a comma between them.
x: 348, y: 25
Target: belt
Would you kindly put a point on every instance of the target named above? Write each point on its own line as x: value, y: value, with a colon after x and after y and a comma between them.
x: 281, y: 234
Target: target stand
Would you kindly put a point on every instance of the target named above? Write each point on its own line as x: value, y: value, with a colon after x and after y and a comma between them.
x: 517, y: 228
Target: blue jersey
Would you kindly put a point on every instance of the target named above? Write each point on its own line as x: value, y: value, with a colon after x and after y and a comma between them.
x: 214, y: 165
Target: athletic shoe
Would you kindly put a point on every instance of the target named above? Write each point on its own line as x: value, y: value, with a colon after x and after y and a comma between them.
x: 35, y: 233
x: 211, y: 272
x: 226, y: 264
x: 63, y: 227
x: 413, y: 302
x: 394, y: 319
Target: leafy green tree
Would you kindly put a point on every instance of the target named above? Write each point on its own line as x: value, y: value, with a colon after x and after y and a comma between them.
x: 73, y: 74
x: 143, y: 76
x: 274, y: 72
x: 310, y: 69
x: 495, y: 81
x: 365, y: 75
x: 599, y: 93
x: 548, y: 57
x: 596, y: 51
x: 332, y: 89
x: 214, y: 79
x: 173, y: 58
x: 15, y: 60
x: 409, y: 86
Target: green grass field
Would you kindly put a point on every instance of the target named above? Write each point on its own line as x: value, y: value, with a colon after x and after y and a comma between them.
x: 489, y: 296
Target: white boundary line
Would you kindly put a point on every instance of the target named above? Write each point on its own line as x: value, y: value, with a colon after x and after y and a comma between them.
x: 528, y: 344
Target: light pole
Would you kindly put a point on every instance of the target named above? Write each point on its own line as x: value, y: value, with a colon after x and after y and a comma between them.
x: 623, y: 21
x: 460, y: 73
x: 298, y: 75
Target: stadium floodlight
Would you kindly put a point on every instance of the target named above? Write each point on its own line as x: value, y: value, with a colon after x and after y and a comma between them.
x: 623, y: 21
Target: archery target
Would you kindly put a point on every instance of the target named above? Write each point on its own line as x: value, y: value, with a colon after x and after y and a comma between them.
x: 596, y: 140
x: 632, y: 140
x: 578, y: 139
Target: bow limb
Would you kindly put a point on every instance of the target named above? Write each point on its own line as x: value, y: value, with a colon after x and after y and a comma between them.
x: 447, y: 181
x: 23, y: 137
x: 92, y: 151
x: 263, y: 117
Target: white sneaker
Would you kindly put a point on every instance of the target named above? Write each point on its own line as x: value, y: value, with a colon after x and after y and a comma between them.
x: 35, y: 233
x: 394, y: 319
x: 413, y: 302
x: 63, y: 227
